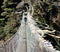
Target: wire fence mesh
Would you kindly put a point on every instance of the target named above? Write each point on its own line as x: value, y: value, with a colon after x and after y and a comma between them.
x: 10, y: 45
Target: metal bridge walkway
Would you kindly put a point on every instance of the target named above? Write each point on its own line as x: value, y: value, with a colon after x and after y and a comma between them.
x: 27, y: 39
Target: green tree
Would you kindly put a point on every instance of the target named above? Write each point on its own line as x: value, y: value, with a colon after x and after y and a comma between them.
x: 9, y: 21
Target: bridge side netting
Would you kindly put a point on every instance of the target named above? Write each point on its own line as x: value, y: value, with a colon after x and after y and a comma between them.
x: 10, y: 45
x: 35, y: 42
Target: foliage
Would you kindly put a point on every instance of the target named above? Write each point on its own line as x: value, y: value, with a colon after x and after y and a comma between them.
x: 43, y: 14
x: 9, y: 21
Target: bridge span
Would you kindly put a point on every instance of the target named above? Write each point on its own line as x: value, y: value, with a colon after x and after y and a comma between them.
x: 27, y: 38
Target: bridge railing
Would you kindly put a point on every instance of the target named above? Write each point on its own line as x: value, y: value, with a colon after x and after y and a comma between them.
x: 35, y: 43
x: 10, y: 45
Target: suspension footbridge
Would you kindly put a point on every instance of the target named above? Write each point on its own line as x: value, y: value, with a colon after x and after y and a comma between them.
x: 27, y: 38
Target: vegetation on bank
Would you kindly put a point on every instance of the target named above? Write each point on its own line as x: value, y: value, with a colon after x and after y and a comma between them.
x: 44, y: 15
x: 9, y: 21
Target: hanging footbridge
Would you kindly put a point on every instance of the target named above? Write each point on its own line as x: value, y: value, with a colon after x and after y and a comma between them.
x: 27, y: 38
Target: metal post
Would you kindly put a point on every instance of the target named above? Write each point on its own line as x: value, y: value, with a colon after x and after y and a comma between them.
x: 5, y: 47
x: 25, y: 19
